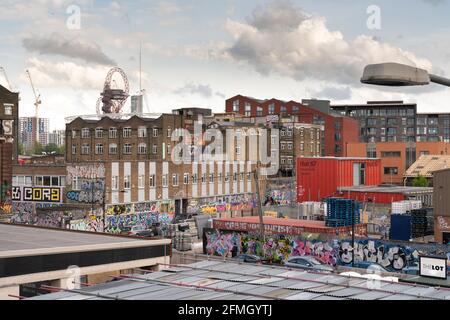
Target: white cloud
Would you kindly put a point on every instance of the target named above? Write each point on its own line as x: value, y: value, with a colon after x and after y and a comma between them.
x: 66, y: 74
x: 282, y: 38
x: 57, y: 44
x: 164, y: 8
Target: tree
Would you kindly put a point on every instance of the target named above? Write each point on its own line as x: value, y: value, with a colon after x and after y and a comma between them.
x: 51, y: 147
x: 37, y: 148
x: 420, y: 181
x: 21, y: 149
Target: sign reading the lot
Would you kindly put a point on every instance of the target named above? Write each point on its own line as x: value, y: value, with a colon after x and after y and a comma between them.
x: 433, y: 267
x: 36, y: 194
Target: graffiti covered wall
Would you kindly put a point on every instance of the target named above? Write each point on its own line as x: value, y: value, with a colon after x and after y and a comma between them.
x: 280, y: 192
x: 221, y: 204
x: 120, y: 218
x: 393, y: 256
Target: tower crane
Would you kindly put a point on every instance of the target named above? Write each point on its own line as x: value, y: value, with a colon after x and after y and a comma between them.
x: 37, y: 102
x: 6, y: 78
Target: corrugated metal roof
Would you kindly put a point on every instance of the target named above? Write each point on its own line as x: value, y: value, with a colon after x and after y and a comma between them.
x: 217, y: 280
x: 427, y: 164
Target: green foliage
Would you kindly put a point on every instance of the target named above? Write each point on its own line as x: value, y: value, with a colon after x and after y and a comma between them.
x: 420, y: 181
x: 21, y: 149
x: 37, y: 148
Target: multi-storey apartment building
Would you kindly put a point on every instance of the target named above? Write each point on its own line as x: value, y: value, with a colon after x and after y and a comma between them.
x: 57, y: 137
x: 396, y: 121
x: 135, y: 162
x: 339, y: 130
x: 396, y: 157
x: 34, y: 130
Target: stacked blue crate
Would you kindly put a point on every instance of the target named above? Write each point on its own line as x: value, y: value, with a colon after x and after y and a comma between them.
x: 340, y: 212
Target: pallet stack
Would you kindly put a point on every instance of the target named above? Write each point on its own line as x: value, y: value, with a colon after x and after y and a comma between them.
x: 340, y: 212
x: 419, y: 223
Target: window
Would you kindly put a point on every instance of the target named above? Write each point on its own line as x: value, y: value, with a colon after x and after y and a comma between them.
x: 391, y: 154
x: 141, y: 182
x: 289, y: 132
x: 227, y: 177
x: 236, y: 106
x: 248, y: 109
x: 337, y: 136
x: 211, y: 178
x: 283, y: 110
x: 127, y: 182
x: 75, y: 183
x: 421, y: 130
x: 186, y: 178
x: 392, y: 121
x: 219, y: 178
x: 433, y: 121
x: 168, y: 149
x: 155, y: 149
x: 424, y: 153
x: 85, y: 133
x: 74, y: 149
x: 238, y: 149
x: 85, y: 149
x: 204, y: 178
x: 142, y: 132
x: 175, y: 180
x: 194, y: 178
x: 8, y: 109
x: 115, y: 183
x: 302, y: 146
x: 390, y: 170
x: 283, y: 145
x: 271, y: 108
x: 127, y: 148
x: 295, y: 109
x: 112, y: 133
x: 98, y: 133
x: 126, y: 132
x: 113, y: 148
x: 164, y: 180
x: 99, y: 148
x: 259, y: 111
x: 152, y: 181
x: 391, y: 131
x: 241, y: 176
x: 337, y: 125
x: 421, y: 121
x: 432, y: 130
x: 235, y: 176
x: 289, y: 145
x: 142, y: 148
x: 74, y: 134
x: 169, y: 133
x: 155, y: 132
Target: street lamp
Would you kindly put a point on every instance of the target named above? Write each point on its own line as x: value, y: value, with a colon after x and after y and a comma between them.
x: 397, y: 74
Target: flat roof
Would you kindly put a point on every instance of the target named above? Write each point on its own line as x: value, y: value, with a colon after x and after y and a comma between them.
x: 17, y: 240
x: 387, y: 189
x: 339, y: 158
x: 227, y: 280
x: 277, y: 221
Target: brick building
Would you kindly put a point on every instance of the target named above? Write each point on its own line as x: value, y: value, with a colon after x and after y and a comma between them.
x: 396, y: 121
x: 133, y: 158
x: 339, y: 130
x: 9, y: 112
x: 396, y: 157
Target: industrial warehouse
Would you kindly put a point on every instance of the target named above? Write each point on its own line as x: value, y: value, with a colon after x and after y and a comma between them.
x: 210, y: 155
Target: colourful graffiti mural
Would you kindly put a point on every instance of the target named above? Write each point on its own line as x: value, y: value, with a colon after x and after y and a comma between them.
x: 280, y: 193
x: 120, y: 218
x: 392, y: 256
x: 92, y: 224
x: 221, y: 204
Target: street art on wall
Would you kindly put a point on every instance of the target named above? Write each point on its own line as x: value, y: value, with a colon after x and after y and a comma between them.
x: 120, y: 218
x: 91, y: 224
x: 37, y: 194
x: 6, y: 198
x: 215, y: 205
x: 280, y: 193
x: 89, y: 171
x: 392, y: 256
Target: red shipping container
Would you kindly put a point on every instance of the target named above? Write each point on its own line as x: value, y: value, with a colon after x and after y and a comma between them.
x: 319, y: 178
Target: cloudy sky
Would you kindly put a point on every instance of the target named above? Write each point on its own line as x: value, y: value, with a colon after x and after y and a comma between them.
x: 197, y: 53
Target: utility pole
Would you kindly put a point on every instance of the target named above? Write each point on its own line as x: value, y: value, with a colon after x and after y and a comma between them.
x: 260, y: 213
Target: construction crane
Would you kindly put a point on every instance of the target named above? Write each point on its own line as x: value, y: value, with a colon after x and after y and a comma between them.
x: 6, y: 78
x: 37, y: 97
x: 37, y: 102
